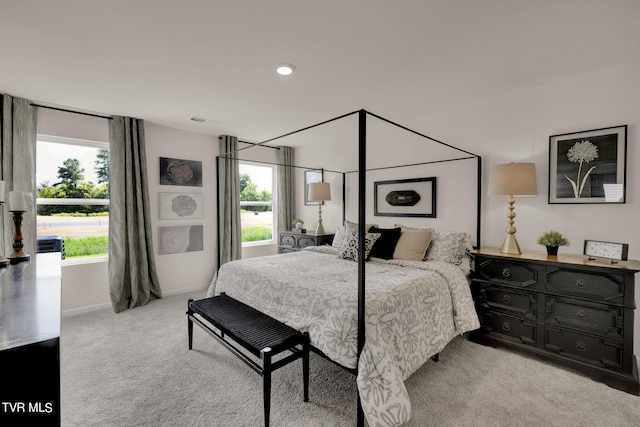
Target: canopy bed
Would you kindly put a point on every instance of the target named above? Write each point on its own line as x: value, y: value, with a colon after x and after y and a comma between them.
x: 379, y: 301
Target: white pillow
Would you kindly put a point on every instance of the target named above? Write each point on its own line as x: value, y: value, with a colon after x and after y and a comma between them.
x: 338, y: 238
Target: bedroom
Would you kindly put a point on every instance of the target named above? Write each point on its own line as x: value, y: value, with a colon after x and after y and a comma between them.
x: 502, y: 107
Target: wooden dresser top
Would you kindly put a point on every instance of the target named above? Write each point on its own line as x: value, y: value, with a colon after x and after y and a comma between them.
x: 574, y: 259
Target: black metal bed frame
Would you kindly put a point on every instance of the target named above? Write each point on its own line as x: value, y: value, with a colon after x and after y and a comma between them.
x: 362, y: 174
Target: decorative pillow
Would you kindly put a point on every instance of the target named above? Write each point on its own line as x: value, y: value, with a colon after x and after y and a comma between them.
x: 338, y: 238
x: 349, y: 248
x: 354, y: 225
x: 413, y: 244
x: 449, y: 246
x: 406, y: 227
x: 387, y: 242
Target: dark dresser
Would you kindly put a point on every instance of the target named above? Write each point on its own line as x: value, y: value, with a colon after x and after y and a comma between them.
x: 564, y: 309
x: 289, y: 241
x: 30, y: 341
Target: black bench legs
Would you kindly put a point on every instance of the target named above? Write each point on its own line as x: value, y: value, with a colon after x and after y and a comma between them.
x: 268, y: 368
x: 230, y: 322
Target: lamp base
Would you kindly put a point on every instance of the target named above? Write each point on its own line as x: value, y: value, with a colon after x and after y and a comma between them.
x: 18, y: 256
x: 319, y: 229
x: 510, y: 245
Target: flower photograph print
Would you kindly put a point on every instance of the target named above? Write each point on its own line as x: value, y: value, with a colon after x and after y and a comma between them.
x: 588, y: 166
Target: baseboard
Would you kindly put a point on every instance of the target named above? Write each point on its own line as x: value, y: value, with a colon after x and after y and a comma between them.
x: 185, y: 290
x: 86, y: 309
x: 174, y: 292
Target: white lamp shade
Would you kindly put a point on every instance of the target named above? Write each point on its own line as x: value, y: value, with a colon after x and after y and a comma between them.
x: 513, y: 179
x: 319, y: 191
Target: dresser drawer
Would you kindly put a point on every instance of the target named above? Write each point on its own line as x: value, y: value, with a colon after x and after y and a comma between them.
x: 507, y: 272
x: 605, y: 287
x: 586, y: 348
x: 304, y: 241
x: 508, y: 327
x: 592, y: 317
x: 513, y: 301
x: 287, y: 240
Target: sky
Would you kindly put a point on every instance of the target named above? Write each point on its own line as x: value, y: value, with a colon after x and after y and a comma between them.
x: 50, y: 156
x: 261, y: 175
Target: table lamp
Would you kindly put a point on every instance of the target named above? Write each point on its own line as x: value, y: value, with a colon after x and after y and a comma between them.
x: 510, y: 180
x: 319, y: 192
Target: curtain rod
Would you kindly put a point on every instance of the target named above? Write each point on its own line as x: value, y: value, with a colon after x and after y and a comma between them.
x: 259, y: 144
x: 72, y: 111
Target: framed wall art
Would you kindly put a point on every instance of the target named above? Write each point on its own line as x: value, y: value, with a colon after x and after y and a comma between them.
x: 180, y: 172
x: 311, y: 177
x: 405, y: 197
x: 176, y: 240
x: 588, y: 166
x: 180, y: 205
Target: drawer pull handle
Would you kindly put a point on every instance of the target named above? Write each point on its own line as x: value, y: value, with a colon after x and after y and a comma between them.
x: 506, y: 327
x: 581, y: 314
x: 581, y: 346
x: 506, y: 299
x: 581, y: 283
x: 506, y: 272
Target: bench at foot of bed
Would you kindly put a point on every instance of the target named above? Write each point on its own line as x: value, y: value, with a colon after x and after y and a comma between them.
x: 231, y: 322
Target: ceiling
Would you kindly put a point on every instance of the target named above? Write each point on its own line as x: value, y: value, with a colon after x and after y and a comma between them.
x: 166, y: 61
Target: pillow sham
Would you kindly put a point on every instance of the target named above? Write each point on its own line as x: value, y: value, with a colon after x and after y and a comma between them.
x: 449, y: 246
x: 354, y: 225
x: 386, y: 244
x: 349, y: 248
x: 413, y: 244
x: 338, y: 238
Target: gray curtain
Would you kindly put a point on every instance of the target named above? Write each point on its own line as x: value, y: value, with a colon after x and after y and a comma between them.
x: 133, y: 279
x: 229, y: 230
x: 18, y: 121
x: 286, y: 188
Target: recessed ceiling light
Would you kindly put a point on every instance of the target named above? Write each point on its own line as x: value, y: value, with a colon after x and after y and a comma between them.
x: 285, y: 69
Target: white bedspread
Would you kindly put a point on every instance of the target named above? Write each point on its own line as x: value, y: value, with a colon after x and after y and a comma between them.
x: 413, y: 310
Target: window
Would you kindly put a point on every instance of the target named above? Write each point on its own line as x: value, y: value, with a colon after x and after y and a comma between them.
x: 256, y: 203
x: 72, y: 197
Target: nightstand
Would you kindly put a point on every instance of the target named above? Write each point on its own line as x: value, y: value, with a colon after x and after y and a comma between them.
x: 565, y: 309
x: 290, y: 240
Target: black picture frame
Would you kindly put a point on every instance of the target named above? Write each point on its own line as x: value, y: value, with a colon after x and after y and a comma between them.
x: 415, y: 197
x: 180, y: 172
x: 311, y: 177
x: 588, y: 167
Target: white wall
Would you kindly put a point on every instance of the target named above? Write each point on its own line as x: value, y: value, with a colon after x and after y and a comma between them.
x: 516, y: 127
x: 85, y: 286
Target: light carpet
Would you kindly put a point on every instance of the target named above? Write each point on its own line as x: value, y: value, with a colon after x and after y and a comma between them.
x: 134, y: 369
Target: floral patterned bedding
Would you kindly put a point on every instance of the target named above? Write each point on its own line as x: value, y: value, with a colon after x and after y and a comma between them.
x: 413, y: 310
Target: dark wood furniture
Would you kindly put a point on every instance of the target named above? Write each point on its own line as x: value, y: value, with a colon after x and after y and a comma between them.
x: 565, y: 309
x: 30, y: 341
x: 259, y: 334
x: 291, y: 240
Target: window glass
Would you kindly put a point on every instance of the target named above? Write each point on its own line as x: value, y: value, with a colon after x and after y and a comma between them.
x: 256, y: 203
x: 72, y: 197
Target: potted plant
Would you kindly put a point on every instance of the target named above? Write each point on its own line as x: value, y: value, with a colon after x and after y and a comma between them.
x: 297, y: 223
x: 552, y: 240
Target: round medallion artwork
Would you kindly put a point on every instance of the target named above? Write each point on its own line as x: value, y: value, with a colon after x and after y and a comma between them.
x: 179, y: 171
x: 175, y: 240
x: 183, y: 205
